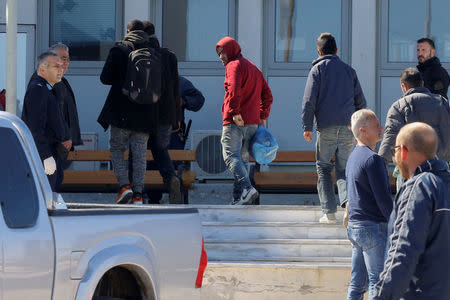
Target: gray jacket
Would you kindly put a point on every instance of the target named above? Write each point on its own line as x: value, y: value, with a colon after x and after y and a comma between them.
x: 417, y: 265
x: 418, y: 105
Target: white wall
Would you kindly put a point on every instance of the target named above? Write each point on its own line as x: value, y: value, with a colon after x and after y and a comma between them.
x: 364, y: 43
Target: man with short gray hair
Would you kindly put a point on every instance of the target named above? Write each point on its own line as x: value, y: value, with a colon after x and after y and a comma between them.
x: 369, y: 204
x: 417, y: 264
x: 43, y: 116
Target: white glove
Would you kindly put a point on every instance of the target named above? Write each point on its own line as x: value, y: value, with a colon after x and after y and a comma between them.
x: 49, y: 165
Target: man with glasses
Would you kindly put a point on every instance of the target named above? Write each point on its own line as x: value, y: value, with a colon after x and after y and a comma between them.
x: 417, y: 104
x: 417, y: 264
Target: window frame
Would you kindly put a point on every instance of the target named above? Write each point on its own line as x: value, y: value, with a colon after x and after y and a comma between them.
x: 300, y: 68
x: 76, y: 67
x: 383, y: 11
x: 188, y: 68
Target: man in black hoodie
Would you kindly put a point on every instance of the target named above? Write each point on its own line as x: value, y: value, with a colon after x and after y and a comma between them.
x: 435, y: 77
x: 130, y: 123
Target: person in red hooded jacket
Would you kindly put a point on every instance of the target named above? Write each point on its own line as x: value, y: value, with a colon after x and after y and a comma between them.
x: 246, y: 104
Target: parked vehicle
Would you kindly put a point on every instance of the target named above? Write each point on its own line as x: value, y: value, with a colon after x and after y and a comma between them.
x: 53, y: 250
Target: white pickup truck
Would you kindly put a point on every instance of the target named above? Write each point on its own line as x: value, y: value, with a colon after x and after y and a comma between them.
x: 53, y: 250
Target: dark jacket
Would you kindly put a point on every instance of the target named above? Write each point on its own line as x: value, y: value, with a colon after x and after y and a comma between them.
x: 368, y: 192
x: 418, y: 262
x: 332, y: 94
x: 193, y: 100
x: 43, y: 117
x: 66, y: 99
x: 246, y: 90
x: 418, y: 105
x: 434, y: 76
x: 122, y: 113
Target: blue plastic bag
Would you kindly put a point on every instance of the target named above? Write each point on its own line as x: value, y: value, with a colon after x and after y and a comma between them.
x: 263, y: 146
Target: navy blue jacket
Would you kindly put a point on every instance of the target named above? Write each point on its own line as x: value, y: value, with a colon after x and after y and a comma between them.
x: 368, y: 192
x: 418, y: 260
x: 193, y: 100
x: 43, y: 117
x: 332, y: 94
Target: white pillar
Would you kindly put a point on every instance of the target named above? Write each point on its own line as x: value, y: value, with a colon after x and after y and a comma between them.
x: 250, y: 28
x: 364, y: 42
x: 11, y: 56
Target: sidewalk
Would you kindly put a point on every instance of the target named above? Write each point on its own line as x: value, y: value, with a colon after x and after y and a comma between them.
x: 218, y: 192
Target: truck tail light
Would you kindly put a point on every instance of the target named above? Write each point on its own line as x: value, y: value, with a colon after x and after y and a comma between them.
x: 202, y: 266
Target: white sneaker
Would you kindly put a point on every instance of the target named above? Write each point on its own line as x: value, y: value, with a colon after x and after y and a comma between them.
x: 247, y: 197
x: 328, y: 219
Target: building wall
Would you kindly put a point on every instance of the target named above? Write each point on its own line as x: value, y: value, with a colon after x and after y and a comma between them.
x: 378, y: 80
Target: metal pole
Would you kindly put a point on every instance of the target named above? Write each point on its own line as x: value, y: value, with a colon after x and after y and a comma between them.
x: 11, y: 56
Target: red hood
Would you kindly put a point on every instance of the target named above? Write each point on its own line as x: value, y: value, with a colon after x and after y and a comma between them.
x: 230, y: 46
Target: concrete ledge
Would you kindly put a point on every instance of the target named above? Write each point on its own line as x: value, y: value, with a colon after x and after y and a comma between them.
x: 251, y: 281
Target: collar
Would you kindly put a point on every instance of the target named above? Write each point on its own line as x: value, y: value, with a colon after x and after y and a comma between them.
x: 419, y: 89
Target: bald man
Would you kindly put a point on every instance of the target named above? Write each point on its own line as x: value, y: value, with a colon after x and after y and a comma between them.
x: 418, y: 263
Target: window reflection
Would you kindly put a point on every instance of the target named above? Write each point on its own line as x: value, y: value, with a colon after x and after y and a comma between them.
x: 87, y: 27
x: 191, y: 28
x: 420, y: 18
x: 298, y: 25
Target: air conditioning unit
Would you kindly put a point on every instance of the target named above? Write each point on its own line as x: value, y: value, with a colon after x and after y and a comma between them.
x: 209, y: 162
x: 90, y: 142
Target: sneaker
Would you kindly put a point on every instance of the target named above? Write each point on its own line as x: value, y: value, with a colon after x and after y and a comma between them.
x: 174, y: 191
x: 328, y: 219
x: 247, y: 197
x: 234, y: 201
x: 137, y: 199
x: 125, y: 194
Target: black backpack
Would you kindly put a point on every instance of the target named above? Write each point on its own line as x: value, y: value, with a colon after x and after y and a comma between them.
x: 143, y: 78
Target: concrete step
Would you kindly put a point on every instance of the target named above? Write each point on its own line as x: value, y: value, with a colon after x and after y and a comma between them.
x: 271, y: 230
x: 262, y: 213
x: 345, y: 261
x: 287, y: 281
x: 266, y: 248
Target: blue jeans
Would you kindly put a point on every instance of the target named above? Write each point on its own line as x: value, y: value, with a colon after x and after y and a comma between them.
x: 332, y: 141
x: 235, y: 144
x: 368, y: 252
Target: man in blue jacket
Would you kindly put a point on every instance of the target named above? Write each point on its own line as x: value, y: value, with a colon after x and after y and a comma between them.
x: 369, y: 204
x: 332, y: 95
x: 418, y: 263
x: 43, y: 116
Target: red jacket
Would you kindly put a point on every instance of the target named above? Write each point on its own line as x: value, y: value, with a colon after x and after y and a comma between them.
x: 246, y: 90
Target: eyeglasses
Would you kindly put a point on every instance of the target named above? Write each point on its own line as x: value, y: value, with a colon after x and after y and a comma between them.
x: 393, y: 150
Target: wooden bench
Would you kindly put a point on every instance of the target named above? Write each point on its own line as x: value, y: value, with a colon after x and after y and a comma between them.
x: 105, y: 180
x: 290, y: 182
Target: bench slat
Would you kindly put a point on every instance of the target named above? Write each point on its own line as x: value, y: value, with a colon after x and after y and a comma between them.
x: 104, y: 155
x: 107, y: 177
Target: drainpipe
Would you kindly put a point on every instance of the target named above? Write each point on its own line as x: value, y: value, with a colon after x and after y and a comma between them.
x: 11, y: 56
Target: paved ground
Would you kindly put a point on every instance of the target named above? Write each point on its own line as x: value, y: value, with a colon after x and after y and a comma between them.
x: 205, y: 193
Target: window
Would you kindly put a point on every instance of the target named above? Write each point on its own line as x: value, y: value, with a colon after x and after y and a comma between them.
x: 18, y: 195
x: 298, y: 24
x: 292, y: 29
x: 418, y: 19
x: 88, y: 27
x: 191, y: 28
